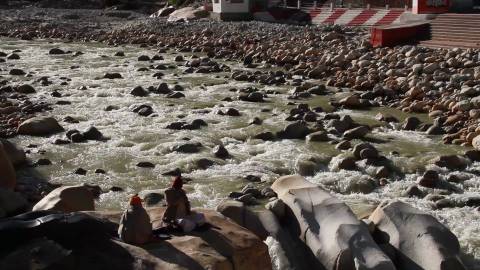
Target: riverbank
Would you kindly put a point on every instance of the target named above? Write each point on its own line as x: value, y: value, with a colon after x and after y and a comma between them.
x: 280, y: 99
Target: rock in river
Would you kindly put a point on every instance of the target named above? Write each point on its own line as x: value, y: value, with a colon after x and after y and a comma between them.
x: 421, y: 241
x: 39, y: 126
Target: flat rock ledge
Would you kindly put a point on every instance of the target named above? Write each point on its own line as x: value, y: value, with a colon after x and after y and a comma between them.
x: 222, y: 246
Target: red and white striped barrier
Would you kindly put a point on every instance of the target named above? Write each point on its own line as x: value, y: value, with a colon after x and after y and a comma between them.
x: 356, y: 17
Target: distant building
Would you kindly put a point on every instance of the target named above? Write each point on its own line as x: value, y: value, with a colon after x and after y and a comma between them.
x: 232, y: 10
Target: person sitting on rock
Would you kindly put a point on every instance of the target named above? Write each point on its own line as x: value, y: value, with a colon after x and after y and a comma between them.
x: 135, y: 226
x: 178, y: 212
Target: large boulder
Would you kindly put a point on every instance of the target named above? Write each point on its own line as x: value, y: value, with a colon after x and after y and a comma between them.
x: 296, y: 130
x: 16, y: 155
x: 8, y: 178
x: 67, y: 199
x: 11, y: 203
x: 239, y: 213
x: 163, y: 12
x: 420, y: 240
x: 223, y: 245
x: 39, y: 126
x: 329, y: 228
x: 188, y: 14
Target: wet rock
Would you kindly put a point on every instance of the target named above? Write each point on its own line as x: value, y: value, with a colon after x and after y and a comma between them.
x: 319, y: 136
x: 296, y: 130
x: 347, y: 163
x: 268, y: 193
x: 138, y: 91
x: 39, y: 126
x: 80, y: 171
x: 410, y: 123
x: 356, y: 133
x: 17, y: 72
x: 179, y: 58
x: 253, y: 178
x: 176, y: 95
x: 111, y: 108
x: 414, y: 191
x: 77, y: 137
x: 232, y: 112
x: 101, y: 171
x: 409, y: 231
x: 204, y: 163
x: 119, y: 54
x: 112, y: 76
x: 25, y: 89
x: 67, y: 199
x: 61, y: 142
x: 116, y: 189
x: 343, y: 145
x: 247, y: 199
x: 174, y: 172
x: 13, y: 56
x: 143, y: 58
x: 187, y: 148
x: 153, y: 198
x: 429, y: 179
x: 255, y: 121
x: 435, y: 130
x: 145, y: 164
x: 308, y: 165
x: 357, y: 149
x: 220, y: 152
x: 252, y: 97
x: 43, y: 162
x: 386, y: 118
x: 452, y: 162
x: 473, y: 155
x: 92, y: 133
x: 266, y: 136
x: 56, y: 51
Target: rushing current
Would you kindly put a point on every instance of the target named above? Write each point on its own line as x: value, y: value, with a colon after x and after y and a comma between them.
x: 134, y: 138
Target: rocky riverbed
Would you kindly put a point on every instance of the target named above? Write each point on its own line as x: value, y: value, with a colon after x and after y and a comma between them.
x: 231, y: 105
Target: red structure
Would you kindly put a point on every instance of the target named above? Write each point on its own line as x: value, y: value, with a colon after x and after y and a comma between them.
x: 430, y: 6
x: 391, y: 35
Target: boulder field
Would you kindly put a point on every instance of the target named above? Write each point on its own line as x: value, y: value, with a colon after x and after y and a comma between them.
x: 308, y: 221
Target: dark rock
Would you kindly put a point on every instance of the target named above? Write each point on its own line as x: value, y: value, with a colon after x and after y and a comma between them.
x: 356, y: 133
x: 411, y: 123
x: 187, y: 148
x: 266, y: 136
x: 473, y: 155
x: 253, y: 178
x: 80, y: 171
x: 204, y: 163
x: 296, y: 130
x: 92, y: 133
x: 145, y: 164
x: 112, y: 76
x: 56, y: 51
x: 143, y: 58
x: 429, y: 179
x: 138, y: 91
x: 44, y: 161
x: 100, y: 171
x: 414, y: 191
x: 232, y: 112
x: 153, y: 198
x: 347, y: 163
x: 25, y: 89
x: 452, y: 162
x: 77, y: 138
x: 343, y: 145
x: 220, y: 152
x: 175, y: 95
x: 17, y: 72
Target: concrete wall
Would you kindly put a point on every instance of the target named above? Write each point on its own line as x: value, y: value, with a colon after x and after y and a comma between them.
x: 225, y: 6
x: 461, y: 5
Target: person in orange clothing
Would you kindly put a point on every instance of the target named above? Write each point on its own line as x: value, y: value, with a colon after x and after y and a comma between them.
x: 178, y: 212
x: 135, y: 227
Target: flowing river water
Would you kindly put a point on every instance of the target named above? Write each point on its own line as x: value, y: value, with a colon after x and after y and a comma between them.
x: 134, y: 138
